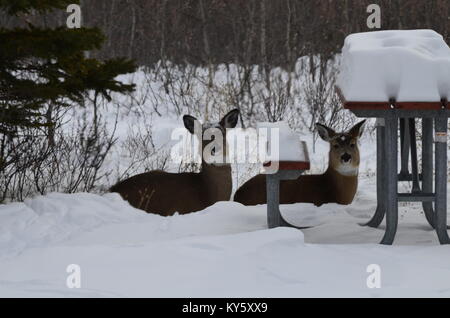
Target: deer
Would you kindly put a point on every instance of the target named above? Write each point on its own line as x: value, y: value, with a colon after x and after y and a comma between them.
x: 338, y: 184
x: 165, y: 193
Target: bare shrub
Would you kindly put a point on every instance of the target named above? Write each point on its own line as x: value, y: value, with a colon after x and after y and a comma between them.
x: 72, y: 163
x: 141, y: 154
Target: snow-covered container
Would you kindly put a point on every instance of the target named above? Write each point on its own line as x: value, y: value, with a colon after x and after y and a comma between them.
x: 408, y: 66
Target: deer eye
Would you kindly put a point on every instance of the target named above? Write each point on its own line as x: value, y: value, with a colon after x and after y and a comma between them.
x: 352, y: 145
x: 336, y: 146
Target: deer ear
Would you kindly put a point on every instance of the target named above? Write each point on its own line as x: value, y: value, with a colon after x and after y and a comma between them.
x: 358, y: 129
x: 326, y: 133
x: 230, y: 120
x: 189, y: 123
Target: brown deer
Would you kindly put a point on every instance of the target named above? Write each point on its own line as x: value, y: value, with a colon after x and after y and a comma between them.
x: 166, y: 193
x: 337, y: 185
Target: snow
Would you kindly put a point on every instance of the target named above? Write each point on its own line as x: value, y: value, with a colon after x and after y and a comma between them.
x: 223, y: 251
x: 56, y: 217
x: 289, y: 146
x: 408, y: 65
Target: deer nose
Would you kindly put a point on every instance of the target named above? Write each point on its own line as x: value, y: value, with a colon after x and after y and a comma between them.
x: 346, y: 157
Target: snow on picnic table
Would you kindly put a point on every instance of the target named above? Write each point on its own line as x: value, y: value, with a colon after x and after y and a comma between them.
x: 287, y: 147
x: 223, y: 251
x: 407, y: 65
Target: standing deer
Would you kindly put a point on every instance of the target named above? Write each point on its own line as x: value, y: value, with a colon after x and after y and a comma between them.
x: 165, y: 193
x: 337, y: 185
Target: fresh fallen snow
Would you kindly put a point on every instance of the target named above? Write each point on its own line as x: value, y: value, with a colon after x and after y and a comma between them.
x: 224, y: 250
x: 287, y: 147
x: 408, y: 65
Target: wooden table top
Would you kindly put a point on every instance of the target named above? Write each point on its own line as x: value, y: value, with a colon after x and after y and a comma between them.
x: 392, y: 104
x: 293, y: 165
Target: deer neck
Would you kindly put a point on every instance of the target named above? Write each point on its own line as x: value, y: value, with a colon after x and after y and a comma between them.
x: 217, y: 181
x: 344, y: 185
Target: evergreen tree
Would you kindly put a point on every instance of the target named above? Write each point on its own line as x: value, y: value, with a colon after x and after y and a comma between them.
x: 47, y: 67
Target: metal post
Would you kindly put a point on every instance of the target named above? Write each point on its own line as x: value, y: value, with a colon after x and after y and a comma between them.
x: 273, y: 201
x: 415, y: 170
x: 404, y: 152
x: 381, y: 176
x: 441, y: 178
x: 427, y: 166
x: 391, y: 179
x: 274, y: 217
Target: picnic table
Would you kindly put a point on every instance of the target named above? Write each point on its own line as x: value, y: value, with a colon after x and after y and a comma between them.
x: 389, y: 116
x: 398, y: 77
x: 284, y: 170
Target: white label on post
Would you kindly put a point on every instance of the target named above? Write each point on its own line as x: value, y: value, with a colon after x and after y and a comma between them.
x: 440, y: 137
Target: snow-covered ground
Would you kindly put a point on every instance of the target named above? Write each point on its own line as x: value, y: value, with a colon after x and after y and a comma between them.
x: 223, y: 251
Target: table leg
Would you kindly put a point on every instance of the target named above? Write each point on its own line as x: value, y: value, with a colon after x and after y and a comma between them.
x: 274, y: 217
x: 414, y: 168
x: 427, y: 166
x: 381, y: 177
x: 441, y: 179
x: 405, y: 140
x: 391, y: 180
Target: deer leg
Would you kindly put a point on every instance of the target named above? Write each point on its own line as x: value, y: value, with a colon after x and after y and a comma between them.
x: 274, y: 217
x: 427, y: 167
x: 391, y: 180
x: 381, y: 177
x: 441, y: 179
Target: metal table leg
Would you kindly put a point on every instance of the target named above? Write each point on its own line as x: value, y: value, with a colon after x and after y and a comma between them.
x: 381, y: 177
x: 427, y: 166
x: 441, y: 179
x: 413, y: 144
x: 391, y: 180
x: 274, y: 217
x: 405, y: 140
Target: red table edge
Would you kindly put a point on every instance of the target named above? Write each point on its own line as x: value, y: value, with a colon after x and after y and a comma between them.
x: 289, y: 165
x: 293, y: 165
x: 391, y: 104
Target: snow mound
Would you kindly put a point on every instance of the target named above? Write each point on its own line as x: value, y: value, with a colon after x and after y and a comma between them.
x: 407, y: 65
x: 225, y: 250
x: 290, y: 146
x: 222, y: 218
x: 55, y: 217
x: 86, y: 219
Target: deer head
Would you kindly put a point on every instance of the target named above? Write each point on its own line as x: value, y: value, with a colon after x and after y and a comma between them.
x: 344, y: 151
x: 212, y: 136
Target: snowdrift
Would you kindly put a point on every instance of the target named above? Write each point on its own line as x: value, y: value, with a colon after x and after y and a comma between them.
x: 224, y: 251
x: 408, y: 65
